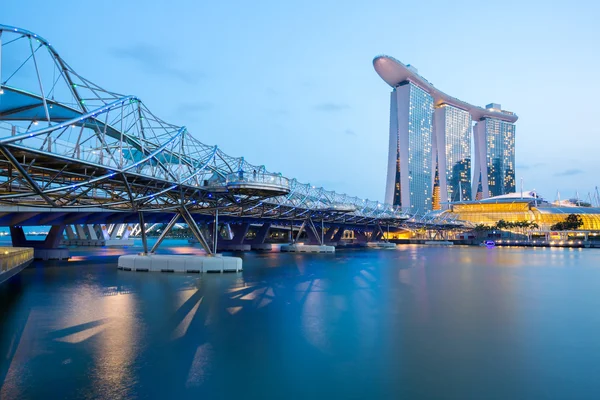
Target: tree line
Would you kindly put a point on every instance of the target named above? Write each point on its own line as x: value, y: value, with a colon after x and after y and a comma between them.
x: 571, y: 223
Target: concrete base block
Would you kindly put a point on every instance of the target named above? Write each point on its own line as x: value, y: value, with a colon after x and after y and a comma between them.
x: 306, y: 248
x: 179, y: 263
x: 118, y: 242
x: 51, y: 254
x: 262, y: 247
x: 349, y: 245
x: 381, y: 245
x: 233, y: 247
x: 82, y: 242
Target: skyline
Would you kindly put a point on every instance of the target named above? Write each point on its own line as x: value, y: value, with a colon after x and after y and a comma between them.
x: 244, y: 102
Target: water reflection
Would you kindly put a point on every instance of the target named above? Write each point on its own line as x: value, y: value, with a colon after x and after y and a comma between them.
x: 412, y: 322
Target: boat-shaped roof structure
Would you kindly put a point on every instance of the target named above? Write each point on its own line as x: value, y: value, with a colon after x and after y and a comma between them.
x: 394, y: 72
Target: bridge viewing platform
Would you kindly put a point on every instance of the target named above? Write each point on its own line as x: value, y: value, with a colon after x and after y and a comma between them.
x: 72, y: 152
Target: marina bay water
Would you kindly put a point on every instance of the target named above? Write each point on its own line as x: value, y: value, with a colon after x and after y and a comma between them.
x: 413, y: 322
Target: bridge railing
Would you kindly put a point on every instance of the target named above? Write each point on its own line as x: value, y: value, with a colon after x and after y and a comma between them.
x: 11, y: 257
x: 265, y: 178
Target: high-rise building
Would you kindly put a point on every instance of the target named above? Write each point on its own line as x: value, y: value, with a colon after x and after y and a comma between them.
x: 430, y: 140
x: 453, y: 138
x: 409, y: 159
x: 495, y: 148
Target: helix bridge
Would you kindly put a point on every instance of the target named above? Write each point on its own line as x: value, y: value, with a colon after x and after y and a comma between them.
x: 68, y: 144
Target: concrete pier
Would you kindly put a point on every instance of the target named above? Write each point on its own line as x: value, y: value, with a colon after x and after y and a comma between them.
x: 233, y: 247
x: 306, y: 248
x: 179, y: 263
x: 262, y: 247
x: 48, y: 249
x: 381, y: 245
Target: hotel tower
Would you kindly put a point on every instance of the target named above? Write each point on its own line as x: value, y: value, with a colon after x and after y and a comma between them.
x: 429, y: 160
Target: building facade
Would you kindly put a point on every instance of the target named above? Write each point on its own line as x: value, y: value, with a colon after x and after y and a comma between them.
x: 453, y: 151
x: 495, y: 147
x: 410, y: 156
x: 430, y: 144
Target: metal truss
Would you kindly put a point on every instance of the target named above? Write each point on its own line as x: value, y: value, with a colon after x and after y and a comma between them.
x: 67, y: 142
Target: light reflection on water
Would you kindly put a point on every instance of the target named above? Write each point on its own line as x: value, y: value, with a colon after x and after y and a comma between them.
x: 413, y: 322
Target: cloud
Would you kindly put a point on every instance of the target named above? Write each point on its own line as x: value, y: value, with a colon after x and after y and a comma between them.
x: 154, y: 60
x: 569, y: 172
x: 350, y: 132
x: 530, y: 166
x: 191, y: 110
x: 331, y: 107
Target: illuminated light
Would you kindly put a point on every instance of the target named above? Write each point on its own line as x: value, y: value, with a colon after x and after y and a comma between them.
x: 82, y: 335
x: 183, y: 326
x: 1, y: 91
x: 35, y: 122
x: 233, y: 310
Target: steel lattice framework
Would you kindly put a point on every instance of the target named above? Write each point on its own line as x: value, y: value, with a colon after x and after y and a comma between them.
x: 66, y: 142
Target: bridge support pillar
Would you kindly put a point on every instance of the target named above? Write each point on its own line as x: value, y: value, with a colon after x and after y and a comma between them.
x: 236, y: 243
x: 189, y: 220
x: 239, y: 233
x: 80, y: 232
x: 69, y: 232
x: 361, y: 237
x: 42, y: 250
x: 228, y: 232
x: 339, y: 234
x: 262, y: 234
x: 376, y: 235
x: 115, y: 232
x: 314, y: 234
x: 164, y: 233
x: 142, y: 230
x: 102, y: 231
x: 91, y: 232
x: 126, y: 232
x: 329, y: 235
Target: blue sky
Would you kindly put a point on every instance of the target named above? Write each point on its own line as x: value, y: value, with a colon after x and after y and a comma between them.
x: 291, y: 84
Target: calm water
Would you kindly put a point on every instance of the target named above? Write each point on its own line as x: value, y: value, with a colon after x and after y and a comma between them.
x: 415, y: 322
